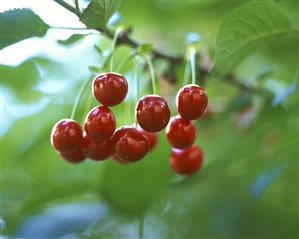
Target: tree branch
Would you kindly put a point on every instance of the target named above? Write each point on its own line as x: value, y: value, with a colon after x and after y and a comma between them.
x: 67, y: 6
x: 124, y: 39
x: 76, y: 2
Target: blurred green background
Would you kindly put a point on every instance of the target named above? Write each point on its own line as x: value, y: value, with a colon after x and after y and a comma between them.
x: 248, y: 186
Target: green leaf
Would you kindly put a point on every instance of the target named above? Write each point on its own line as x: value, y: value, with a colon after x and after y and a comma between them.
x: 21, y: 79
x: 94, y: 69
x: 98, y: 12
x: 98, y: 49
x: 20, y: 24
x: 145, y: 48
x: 248, y: 27
x: 72, y: 39
x: 133, y: 188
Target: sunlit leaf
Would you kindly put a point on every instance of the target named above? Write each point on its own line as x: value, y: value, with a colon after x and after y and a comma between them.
x: 246, y: 28
x: 20, y: 24
x: 21, y: 79
x: 98, y: 12
x: 72, y: 39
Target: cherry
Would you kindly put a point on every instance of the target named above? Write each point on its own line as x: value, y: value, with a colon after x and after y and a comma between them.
x: 152, y: 138
x: 152, y: 113
x: 186, y: 161
x: 95, y: 150
x: 191, y: 101
x: 100, y: 123
x: 181, y: 133
x: 118, y: 158
x: 76, y: 156
x: 67, y: 136
x: 110, y: 88
x: 130, y: 145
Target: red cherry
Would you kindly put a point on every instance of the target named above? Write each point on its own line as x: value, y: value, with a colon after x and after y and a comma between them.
x: 74, y: 157
x: 118, y: 158
x: 110, y: 88
x: 181, y: 133
x: 152, y: 113
x: 67, y: 136
x: 152, y: 138
x: 191, y: 101
x: 130, y: 145
x: 100, y: 123
x: 95, y: 150
x: 186, y: 161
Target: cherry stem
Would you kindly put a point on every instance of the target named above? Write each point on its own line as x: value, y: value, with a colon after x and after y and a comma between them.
x: 127, y: 113
x: 124, y: 39
x: 152, y: 72
x: 141, y: 227
x: 186, y: 73
x: 192, y: 55
x: 79, y: 96
x: 87, y: 107
x: 116, y: 33
x: 137, y: 91
x: 126, y: 61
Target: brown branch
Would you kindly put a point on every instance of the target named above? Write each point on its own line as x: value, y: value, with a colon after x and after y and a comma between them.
x: 125, y: 39
x: 67, y: 6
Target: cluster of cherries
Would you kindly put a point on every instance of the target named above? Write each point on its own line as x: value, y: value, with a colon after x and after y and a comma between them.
x: 128, y: 144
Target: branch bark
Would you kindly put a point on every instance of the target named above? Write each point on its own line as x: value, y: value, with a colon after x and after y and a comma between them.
x: 125, y: 39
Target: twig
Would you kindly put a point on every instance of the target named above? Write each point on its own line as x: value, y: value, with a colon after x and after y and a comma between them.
x: 77, y: 7
x: 67, y: 6
x: 125, y: 39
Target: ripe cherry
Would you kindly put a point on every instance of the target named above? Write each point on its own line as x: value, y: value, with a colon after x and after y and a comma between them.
x: 152, y: 113
x: 152, y: 138
x: 130, y: 145
x: 110, y: 88
x: 67, y: 136
x: 76, y: 156
x: 96, y: 150
x: 119, y: 159
x: 181, y: 133
x: 100, y: 123
x: 186, y: 161
x: 191, y: 101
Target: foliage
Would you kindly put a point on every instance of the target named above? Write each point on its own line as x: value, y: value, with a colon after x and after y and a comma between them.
x: 19, y: 24
x: 245, y: 29
x: 98, y: 12
x: 248, y: 186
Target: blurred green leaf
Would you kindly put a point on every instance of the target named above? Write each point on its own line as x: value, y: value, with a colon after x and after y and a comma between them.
x: 264, y: 74
x: 145, y: 48
x: 94, y: 69
x: 284, y: 93
x: 21, y: 79
x: 98, y: 49
x: 20, y: 24
x: 133, y: 188
x: 72, y: 39
x: 98, y: 12
x: 62, y: 219
x: 246, y: 28
x: 201, y: 204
